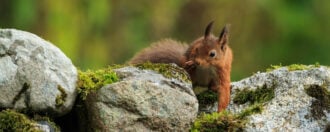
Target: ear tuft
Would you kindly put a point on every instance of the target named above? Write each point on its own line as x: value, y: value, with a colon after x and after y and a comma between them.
x: 224, y: 35
x: 208, y: 29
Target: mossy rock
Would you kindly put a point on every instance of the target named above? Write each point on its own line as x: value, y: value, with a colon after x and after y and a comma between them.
x: 207, y: 98
x: 294, y: 67
x: 224, y: 121
x: 322, y: 102
x: 167, y: 70
x: 11, y: 120
x: 259, y: 95
x: 93, y: 80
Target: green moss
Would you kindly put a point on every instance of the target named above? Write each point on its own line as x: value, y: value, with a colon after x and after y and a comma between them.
x: 13, y: 121
x: 224, y: 121
x: 217, y: 122
x: 207, y: 98
x: 273, y: 67
x: 60, y: 99
x: 253, y: 109
x: 167, y: 70
x: 92, y: 80
x: 322, y: 102
x: 260, y: 95
x: 294, y: 67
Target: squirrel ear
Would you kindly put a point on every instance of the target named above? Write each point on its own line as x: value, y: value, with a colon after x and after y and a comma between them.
x: 208, y: 30
x: 224, y: 35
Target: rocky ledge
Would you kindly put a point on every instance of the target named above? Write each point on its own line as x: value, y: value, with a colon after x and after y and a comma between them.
x: 39, y: 87
x: 290, y: 98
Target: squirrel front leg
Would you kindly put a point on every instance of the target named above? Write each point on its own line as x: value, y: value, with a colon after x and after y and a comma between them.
x: 223, y: 90
x: 223, y: 97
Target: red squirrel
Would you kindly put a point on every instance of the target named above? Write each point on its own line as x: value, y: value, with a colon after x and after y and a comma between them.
x: 207, y: 60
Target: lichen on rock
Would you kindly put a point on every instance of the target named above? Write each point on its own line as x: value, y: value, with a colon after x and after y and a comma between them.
x: 60, y: 98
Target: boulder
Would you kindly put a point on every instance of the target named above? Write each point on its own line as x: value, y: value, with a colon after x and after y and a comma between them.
x: 142, y: 101
x: 35, y: 75
x: 294, y: 98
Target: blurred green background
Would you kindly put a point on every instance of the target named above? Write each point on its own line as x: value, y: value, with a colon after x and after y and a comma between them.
x: 95, y: 33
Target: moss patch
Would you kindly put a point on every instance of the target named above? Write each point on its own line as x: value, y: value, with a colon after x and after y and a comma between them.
x: 13, y: 121
x: 167, y: 70
x: 60, y: 99
x: 93, y: 80
x: 207, y: 98
x: 256, y: 108
x: 273, y: 67
x: 294, y: 67
x: 224, y: 121
x: 217, y: 122
x: 322, y: 102
x: 260, y: 95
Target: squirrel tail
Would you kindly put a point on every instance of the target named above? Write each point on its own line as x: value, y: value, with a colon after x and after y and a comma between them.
x: 164, y: 51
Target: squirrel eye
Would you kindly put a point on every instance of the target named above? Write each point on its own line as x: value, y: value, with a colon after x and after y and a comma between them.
x: 212, y: 54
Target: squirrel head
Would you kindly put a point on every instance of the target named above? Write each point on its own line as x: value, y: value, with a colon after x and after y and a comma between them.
x: 209, y: 50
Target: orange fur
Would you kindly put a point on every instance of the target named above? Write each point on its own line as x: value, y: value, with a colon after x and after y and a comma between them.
x: 198, y: 60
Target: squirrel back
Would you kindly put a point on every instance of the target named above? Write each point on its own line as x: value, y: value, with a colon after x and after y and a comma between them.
x: 163, y: 51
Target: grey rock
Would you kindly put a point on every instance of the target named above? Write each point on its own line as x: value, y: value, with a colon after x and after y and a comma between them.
x: 292, y: 108
x: 34, y: 73
x: 142, y: 101
x: 45, y: 126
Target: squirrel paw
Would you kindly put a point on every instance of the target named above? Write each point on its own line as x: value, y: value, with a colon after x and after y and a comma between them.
x: 189, y: 65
